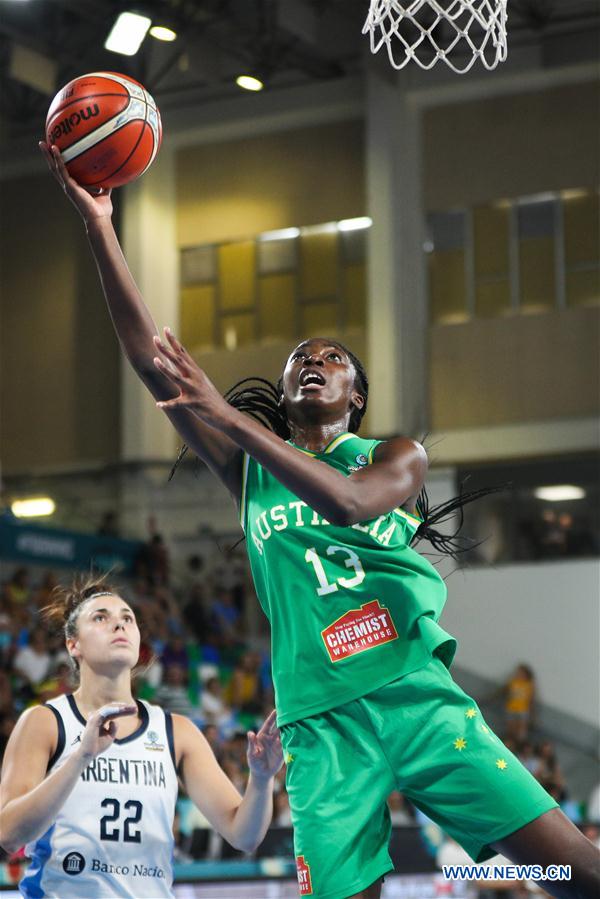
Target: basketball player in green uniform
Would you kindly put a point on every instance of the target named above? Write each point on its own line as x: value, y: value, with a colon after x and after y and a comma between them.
x: 364, y: 698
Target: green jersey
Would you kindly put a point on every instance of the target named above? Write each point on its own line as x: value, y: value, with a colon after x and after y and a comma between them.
x: 350, y: 608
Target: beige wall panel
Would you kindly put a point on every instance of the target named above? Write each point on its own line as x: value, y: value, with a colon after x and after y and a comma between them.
x: 232, y: 190
x: 59, y: 369
x: 519, y: 369
x: 511, y: 146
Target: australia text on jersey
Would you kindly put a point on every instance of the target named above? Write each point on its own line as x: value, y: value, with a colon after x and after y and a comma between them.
x: 282, y: 517
x: 139, y: 772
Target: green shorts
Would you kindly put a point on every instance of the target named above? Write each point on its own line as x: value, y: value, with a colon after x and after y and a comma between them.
x: 420, y: 734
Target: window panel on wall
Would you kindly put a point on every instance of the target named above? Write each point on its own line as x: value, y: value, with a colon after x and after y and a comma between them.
x: 237, y: 275
x: 490, y: 235
x: 275, y: 256
x: 318, y: 263
x: 318, y: 320
x: 492, y: 298
x: 583, y: 287
x: 198, y: 265
x: 447, y: 266
x: 581, y: 216
x: 582, y: 227
x: 277, y: 307
x: 353, y: 245
x: 237, y: 330
x: 491, y: 257
x: 536, y: 224
x: 355, y: 295
x: 197, y: 315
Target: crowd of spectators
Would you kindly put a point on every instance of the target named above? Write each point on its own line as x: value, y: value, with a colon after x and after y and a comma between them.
x: 194, y: 660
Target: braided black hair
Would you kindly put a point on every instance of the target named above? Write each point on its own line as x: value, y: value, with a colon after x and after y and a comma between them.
x: 263, y: 400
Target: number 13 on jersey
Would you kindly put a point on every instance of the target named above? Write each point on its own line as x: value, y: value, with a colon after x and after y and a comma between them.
x: 352, y: 562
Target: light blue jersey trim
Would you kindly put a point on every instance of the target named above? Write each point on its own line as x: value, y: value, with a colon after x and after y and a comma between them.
x: 31, y: 884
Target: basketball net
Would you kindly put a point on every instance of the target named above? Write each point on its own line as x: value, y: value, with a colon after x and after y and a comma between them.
x: 426, y: 31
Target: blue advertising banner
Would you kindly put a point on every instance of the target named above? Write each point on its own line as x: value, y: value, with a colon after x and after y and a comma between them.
x: 21, y: 542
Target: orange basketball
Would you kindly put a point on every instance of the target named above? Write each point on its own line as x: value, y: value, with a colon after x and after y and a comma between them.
x: 107, y: 128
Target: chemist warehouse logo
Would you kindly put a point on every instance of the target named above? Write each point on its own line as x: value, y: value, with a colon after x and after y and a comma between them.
x: 359, y: 630
x: 304, y: 881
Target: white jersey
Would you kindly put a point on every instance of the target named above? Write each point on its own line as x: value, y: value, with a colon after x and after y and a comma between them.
x: 113, y: 836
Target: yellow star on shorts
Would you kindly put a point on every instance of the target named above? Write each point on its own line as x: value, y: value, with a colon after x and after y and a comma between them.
x: 460, y: 744
x: 288, y: 757
x: 501, y: 764
x: 471, y: 713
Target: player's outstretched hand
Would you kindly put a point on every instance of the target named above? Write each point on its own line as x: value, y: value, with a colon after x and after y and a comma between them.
x: 100, y: 730
x: 90, y: 204
x: 196, y: 391
x: 265, y: 756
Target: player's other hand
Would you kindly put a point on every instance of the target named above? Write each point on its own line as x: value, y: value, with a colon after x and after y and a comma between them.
x: 100, y: 730
x: 90, y: 204
x: 265, y: 756
x: 196, y: 391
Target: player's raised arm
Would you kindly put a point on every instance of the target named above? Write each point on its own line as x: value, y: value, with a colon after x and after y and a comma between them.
x: 242, y: 821
x: 30, y: 801
x: 134, y: 325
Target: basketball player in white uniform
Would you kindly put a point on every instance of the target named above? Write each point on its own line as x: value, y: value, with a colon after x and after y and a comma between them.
x: 89, y: 780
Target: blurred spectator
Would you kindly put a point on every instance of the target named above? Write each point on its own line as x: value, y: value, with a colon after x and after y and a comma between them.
x: 235, y: 750
x: 548, y: 771
x: 60, y: 681
x: 16, y: 589
x: 551, y: 536
x: 7, y: 628
x: 193, y: 575
x: 528, y: 757
x: 235, y: 772
x: 32, y: 662
x: 194, y: 614
x: 213, y: 707
x: 225, y: 619
x: 109, y: 525
x: 43, y: 594
x: 153, y: 559
x: 519, y: 706
x: 246, y: 688
x: 211, y: 732
x: 6, y: 695
x: 175, y: 653
x: 173, y: 693
x: 230, y: 573
x: 282, y: 815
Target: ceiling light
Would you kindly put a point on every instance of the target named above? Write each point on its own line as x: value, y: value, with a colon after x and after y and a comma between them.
x: 161, y: 33
x: 34, y: 507
x: 127, y: 33
x: 559, y: 492
x: 356, y: 224
x: 249, y: 83
x: 281, y: 234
